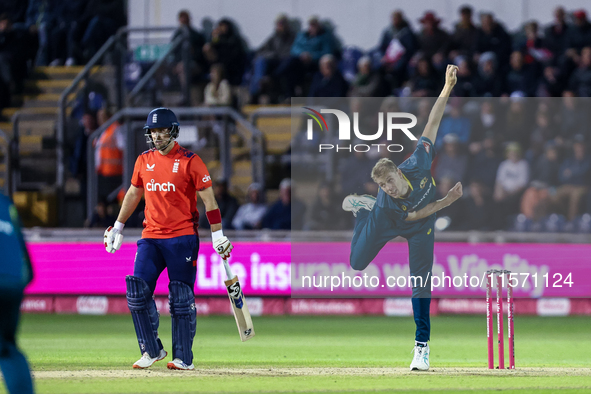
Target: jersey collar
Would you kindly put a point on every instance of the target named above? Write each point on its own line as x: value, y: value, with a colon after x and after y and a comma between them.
x: 173, y: 151
x: 409, y: 185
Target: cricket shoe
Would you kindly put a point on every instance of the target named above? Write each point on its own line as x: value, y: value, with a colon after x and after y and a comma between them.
x: 177, y: 363
x: 353, y: 203
x: 420, y: 361
x: 146, y: 361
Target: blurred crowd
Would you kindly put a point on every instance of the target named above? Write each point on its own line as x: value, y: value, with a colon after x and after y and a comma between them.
x: 51, y: 32
x: 407, y: 60
x: 524, y: 163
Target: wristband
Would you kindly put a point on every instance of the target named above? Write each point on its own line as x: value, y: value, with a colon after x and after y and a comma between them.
x: 119, y: 226
x: 216, y: 235
x: 214, y: 216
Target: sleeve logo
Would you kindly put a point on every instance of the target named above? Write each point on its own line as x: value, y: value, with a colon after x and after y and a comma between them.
x: 427, y: 146
x: 206, y: 178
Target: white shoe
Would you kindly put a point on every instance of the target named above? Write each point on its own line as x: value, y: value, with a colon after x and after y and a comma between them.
x: 420, y: 361
x: 353, y: 203
x: 55, y: 63
x: 70, y: 62
x: 177, y: 363
x: 146, y: 361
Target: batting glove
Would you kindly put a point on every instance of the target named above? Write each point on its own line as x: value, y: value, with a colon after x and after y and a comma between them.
x: 113, y: 237
x: 223, y: 246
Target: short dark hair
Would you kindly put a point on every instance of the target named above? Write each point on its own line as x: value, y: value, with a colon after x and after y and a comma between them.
x: 466, y: 9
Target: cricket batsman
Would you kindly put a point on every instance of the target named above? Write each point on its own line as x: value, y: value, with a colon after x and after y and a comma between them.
x: 170, y: 177
x: 405, y: 207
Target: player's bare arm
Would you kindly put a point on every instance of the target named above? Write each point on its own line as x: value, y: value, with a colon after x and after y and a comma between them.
x: 221, y: 243
x: 130, y: 201
x: 453, y: 195
x: 439, y: 107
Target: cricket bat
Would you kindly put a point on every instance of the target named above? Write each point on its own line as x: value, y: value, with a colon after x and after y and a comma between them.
x: 239, y: 308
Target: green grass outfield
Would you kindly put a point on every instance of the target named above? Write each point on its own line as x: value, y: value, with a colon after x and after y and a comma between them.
x: 94, y: 354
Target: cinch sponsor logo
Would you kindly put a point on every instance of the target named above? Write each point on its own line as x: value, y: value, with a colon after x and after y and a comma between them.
x: 206, y: 178
x: 345, y: 129
x: 160, y: 187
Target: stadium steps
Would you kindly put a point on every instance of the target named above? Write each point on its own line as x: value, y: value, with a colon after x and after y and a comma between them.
x: 38, y: 111
x: 277, y: 130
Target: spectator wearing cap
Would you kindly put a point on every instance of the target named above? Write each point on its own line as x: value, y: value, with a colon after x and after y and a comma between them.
x: 464, y: 36
x: 433, y: 39
x: 521, y: 77
x: 328, y: 81
x: 397, y: 46
x: 488, y: 83
x: 512, y: 179
x: 276, y: 49
x: 368, y: 82
x: 579, y: 34
x: 556, y: 35
x: 492, y: 37
x: 574, y: 177
x: 452, y: 162
x: 580, y: 81
x: 279, y: 215
x: 308, y: 47
x: 227, y: 204
x: 455, y: 123
x: 249, y: 215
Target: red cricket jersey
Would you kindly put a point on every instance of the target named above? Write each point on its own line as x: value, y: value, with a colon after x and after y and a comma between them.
x: 170, y: 185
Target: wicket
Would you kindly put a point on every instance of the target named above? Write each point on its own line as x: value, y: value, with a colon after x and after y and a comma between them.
x: 500, y: 276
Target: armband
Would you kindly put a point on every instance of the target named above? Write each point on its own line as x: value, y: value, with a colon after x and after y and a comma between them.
x: 214, y: 216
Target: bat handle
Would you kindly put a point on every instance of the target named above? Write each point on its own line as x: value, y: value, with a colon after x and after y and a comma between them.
x: 229, y: 273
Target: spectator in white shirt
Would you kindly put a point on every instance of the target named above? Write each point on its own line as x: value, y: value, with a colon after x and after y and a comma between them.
x: 250, y: 214
x: 512, y: 179
x: 218, y: 91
